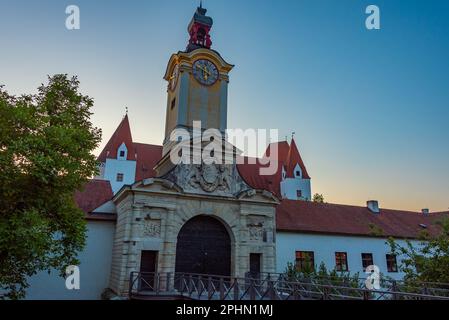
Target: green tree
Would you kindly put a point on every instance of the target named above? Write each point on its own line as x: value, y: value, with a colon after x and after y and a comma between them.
x: 46, y: 144
x: 348, y: 284
x: 319, y: 198
x: 427, y: 261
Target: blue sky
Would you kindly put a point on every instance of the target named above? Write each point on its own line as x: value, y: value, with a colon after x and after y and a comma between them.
x: 370, y: 108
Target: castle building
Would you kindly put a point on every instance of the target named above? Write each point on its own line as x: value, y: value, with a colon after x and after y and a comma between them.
x: 146, y: 213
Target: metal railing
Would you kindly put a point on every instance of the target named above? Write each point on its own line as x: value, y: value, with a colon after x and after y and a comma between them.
x: 214, y: 287
x: 386, y: 284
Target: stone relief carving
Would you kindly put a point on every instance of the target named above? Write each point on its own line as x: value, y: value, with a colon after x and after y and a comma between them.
x: 210, y: 177
x: 151, y: 228
x: 220, y: 179
x: 255, y: 233
x: 256, y: 230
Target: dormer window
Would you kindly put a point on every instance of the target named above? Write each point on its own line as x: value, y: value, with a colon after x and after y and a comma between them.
x: 122, y: 152
x: 297, y: 172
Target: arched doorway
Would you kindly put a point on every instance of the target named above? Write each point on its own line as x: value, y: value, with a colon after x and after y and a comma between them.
x: 203, y: 247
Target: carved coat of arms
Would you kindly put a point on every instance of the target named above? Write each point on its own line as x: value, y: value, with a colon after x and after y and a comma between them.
x: 209, y: 177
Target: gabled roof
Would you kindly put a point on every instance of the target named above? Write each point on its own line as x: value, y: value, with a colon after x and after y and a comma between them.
x: 121, y: 135
x: 310, y: 217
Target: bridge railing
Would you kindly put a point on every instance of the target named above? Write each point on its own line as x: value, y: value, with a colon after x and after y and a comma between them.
x: 216, y: 287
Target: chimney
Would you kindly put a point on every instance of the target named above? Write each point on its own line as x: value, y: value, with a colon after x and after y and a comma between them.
x: 425, y: 212
x: 373, y: 206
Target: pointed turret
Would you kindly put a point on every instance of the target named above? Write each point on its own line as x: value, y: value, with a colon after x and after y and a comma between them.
x: 294, y: 159
x: 122, y: 135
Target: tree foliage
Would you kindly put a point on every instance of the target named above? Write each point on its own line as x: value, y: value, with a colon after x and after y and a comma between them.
x: 322, y: 276
x: 46, y: 144
x: 319, y: 198
x: 321, y: 272
x: 427, y: 261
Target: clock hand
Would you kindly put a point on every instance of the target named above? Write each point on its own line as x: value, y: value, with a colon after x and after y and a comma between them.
x: 204, y: 69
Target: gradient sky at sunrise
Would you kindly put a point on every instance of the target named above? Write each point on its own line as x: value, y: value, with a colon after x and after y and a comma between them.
x: 370, y: 108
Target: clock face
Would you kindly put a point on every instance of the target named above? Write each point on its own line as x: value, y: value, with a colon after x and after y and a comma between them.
x: 205, y: 72
x: 174, y: 78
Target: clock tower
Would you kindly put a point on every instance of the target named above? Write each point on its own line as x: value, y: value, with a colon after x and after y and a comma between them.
x: 197, y: 83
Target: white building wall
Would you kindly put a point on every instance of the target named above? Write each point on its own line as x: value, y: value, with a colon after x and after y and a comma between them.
x: 113, y: 167
x: 289, y: 186
x: 325, y: 246
x: 95, y: 269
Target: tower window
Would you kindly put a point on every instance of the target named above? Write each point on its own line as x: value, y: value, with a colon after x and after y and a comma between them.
x: 119, y: 177
x: 122, y: 154
x: 299, y: 193
x: 173, y: 103
x: 298, y: 173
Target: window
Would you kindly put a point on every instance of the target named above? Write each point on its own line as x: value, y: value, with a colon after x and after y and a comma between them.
x: 119, y: 177
x: 298, y: 173
x: 173, y: 103
x: 341, y: 261
x: 305, y: 261
x: 122, y: 154
x: 299, y: 193
x: 392, y: 265
x: 367, y: 260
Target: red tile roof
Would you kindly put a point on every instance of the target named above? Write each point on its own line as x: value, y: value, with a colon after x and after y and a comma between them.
x: 282, y: 150
x: 95, y: 193
x: 249, y: 170
x: 311, y: 217
x: 147, y: 157
x: 288, y: 156
x: 121, y: 135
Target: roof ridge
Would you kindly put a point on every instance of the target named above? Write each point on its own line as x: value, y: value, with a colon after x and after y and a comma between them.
x: 351, y: 205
